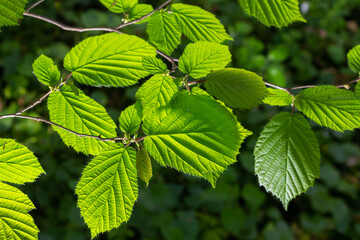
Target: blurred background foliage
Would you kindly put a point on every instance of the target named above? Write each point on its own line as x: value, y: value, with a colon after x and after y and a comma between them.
x: 176, y: 206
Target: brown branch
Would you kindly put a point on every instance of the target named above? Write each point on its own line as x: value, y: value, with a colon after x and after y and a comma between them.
x: 170, y: 59
x: 34, y: 104
x: 34, y: 5
x: 69, y: 28
x: 143, y: 17
x: 59, y: 126
x: 140, y: 139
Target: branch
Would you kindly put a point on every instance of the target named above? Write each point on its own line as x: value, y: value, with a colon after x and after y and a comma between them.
x: 278, y: 87
x: 170, y: 59
x: 143, y: 17
x: 57, y: 125
x: 34, y: 104
x: 69, y: 28
x: 34, y: 5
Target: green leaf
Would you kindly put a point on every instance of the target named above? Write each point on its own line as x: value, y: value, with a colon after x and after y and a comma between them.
x: 237, y: 88
x: 119, y: 6
x: 154, y: 65
x: 143, y: 165
x: 17, y: 163
x: 156, y: 92
x: 198, y: 24
x: 278, y: 97
x: 130, y: 119
x: 331, y: 107
x: 108, y: 189
x: 287, y: 157
x: 278, y: 13
x: 11, y: 12
x: 164, y: 31
x: 140, y: 10
x: 354, y: 59
x: 109, y: 60
x: 83, y: 115
x: 201, y: 58
x: 46, y: 71
x: 194, y: 134
x: 15, y: 221
x: 357, y: 89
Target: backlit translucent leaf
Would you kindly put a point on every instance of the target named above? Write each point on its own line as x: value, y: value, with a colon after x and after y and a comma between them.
x: 17, y: 163
x: 156, y: 92
x: 201, y: 57
x: 154, y: 65
x: 119, y: 6
x: 164, y: 31
x: 278, y: 13
x: 237, y: 88
x: 11, y: 12
x: 143, y: 165
x: 46, y: 71
x: 357, y: 89
x: 331, y: 107
x: 287, y: 157
x: 15, y: 221
x: 354, y: 59
x: 198, y: 24
x: 109, y: 60
x: 194, y: 134
x: 130, y: 119
x: 278, y: 97
x: 140, y: 10
x: 108, y: 189
x: 80, y: 114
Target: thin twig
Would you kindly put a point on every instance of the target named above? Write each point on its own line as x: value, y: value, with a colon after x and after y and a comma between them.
x: 170, y: 59
x: 338, y: 86
x: 143, y: 17
x: 69, y: 28
x: 140, y: 139
x: 302, y: 87
x: 345, y: 85
x: 34, y: 5
x: 34, y: 104
x: 278, y: 87
x: 195, y: 82
x: 59, y: 126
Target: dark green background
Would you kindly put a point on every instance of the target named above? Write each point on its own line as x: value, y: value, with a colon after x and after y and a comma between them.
x: 176, y: 206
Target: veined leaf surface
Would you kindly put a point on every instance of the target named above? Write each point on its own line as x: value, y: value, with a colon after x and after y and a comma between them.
x: 156, y: 92
x: 201, y: 57
x: 130, y: 119
x: 354, y: 59
x: 164, y: 31
x: 17, y: 163
x: 287, y: 157
x: 237, y: 88
x: 110, y: 59
x: 46, y: 71
x: 331, y: 107
x: 154, y: 65
x: 11, y: 12
x: 198, y: 24
x: 194, y: 134
x: 15, y: 221
x: 83, y: 115
x: 108, y: 189
x: 278, y: 97
x: 119, y: 6
x: 140, y: 10
x: 143, y: 165
x: 278, y: 13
